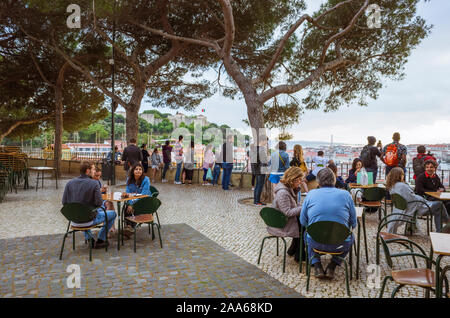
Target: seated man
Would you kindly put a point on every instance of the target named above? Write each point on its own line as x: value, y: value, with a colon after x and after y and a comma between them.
x: 85, y: 190
x: 429, y: 181
x: 328, y: 204
x: 107, y: 205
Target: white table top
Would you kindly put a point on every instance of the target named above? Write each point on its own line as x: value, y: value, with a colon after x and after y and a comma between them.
x: 440, y: 243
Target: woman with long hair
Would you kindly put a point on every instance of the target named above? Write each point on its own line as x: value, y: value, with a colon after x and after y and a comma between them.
x: 286, y: 201
x: 395, y: 184
x: 298, y: 160
x: 137, y: 182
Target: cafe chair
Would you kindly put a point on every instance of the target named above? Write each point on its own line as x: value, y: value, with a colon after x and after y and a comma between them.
x: 143, y: 211
x: 444, y: 278
x: 372, y: 199
x: 154, y: 191
x: 80, y: 213
x: 385, y: 238
x: 273, y: 218
x: 329, y: 233
x: 420, y: 277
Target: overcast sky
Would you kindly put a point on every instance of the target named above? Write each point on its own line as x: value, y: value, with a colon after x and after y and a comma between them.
x: 417, y: 107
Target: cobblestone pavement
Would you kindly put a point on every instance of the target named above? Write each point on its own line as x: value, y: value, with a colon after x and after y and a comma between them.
x: 189, y: 265
x: 214, y: 213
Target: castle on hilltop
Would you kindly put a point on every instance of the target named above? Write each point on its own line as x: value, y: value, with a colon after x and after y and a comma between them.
x: 176, y: 119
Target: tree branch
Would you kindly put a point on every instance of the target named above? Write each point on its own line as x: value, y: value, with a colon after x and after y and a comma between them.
x: 229, y: 26
x: 343, y: 32
x: 22, y: 122
x: 40, y: 72
x: 288, y: 89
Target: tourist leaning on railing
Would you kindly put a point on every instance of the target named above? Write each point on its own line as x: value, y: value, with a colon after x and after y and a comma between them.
x: 395, y: 183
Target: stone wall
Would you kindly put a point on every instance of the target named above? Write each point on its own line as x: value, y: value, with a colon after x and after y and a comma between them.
x: 72, y: 168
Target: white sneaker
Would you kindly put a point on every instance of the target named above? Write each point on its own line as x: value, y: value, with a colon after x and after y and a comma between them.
x: 164, y: 180
x: 253, y: 188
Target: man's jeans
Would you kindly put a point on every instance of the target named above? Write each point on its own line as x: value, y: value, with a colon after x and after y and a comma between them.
x: 166, y: 167
x: 260, y: 178
x: 344, y: 247
x: 100, y: 218
x: 227, y: 169
x: 178, y: 173
x: 216, y: 173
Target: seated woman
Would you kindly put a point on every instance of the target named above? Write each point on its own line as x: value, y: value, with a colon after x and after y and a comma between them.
x: 328, y: 204
x: 136, y: 183
x: 353, y: 172
x: 286, y: 201
x: 395, y: 183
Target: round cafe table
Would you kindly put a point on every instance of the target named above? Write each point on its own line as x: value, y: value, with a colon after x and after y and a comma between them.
x: 41, y: 170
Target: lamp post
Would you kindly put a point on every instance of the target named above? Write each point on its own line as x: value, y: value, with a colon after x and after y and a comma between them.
x: 113, y: 103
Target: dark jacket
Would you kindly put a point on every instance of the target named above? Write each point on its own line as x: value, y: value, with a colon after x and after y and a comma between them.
x: 131, y: 155
x: 351, y: 177
x: 259, y: 160
x: 167, y: 154
x: 83, y: 190
x: 425, y: 183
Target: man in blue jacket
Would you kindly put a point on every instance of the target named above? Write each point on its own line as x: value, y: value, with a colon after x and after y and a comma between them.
x: 328, y: 204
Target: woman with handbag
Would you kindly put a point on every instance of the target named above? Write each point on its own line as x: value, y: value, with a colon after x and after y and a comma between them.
x: 208, y: 162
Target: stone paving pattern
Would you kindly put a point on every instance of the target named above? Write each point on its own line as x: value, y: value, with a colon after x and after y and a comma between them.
x: 216, y: 214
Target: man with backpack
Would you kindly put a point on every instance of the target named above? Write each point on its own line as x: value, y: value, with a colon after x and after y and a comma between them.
x: 420, y: 159
x: 369, y: 155
x: 394, y: 154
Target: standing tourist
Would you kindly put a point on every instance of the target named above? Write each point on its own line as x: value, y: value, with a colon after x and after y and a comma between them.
x: 145, y: 156
x: 320, y: 162
x: 178, y: 158
x: 260, y: 162
x: 167, y: 159
x: 419, y: 160
x: 227, y: 161
x: 279, y: 163
x: 208, y: 162
x: 394, y: 154
x: 156, y: 162
x: 189, y: 164
x: 369, y: 156
x: 131, y: 155
x: 298, y: 160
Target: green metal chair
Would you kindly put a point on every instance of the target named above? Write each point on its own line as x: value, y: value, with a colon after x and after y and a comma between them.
x: 373, y: 197
x: 80, y: 213
x: 154, y: 191
x: 444, y: 278
x: 385, y: 238
x: 143, y: 211
x: 273, y: 218
x: 327, y: 232
x: 422, y: 277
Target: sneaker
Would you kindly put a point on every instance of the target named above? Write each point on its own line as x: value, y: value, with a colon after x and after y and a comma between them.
x: 164, y: 180
x: 253, y: 188
x: 259, y: 204
x: 330, y: 270
x: 318, y: 271
x: 100, y: 244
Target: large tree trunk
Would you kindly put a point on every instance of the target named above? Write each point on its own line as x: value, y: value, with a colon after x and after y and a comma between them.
x: 58, y: 129
x: 132, y: 123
